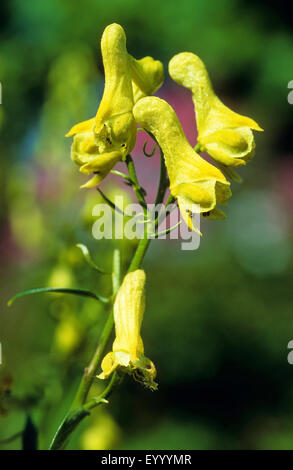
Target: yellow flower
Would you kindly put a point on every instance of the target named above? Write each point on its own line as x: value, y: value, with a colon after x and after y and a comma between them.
x: 192, y: 179
x: 225, y: 135
x: 99, y: 143
x: 104, y: 140
x: 128, y: 351
x: 147, y: 76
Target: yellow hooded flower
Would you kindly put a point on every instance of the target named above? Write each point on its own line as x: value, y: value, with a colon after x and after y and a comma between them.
x: 128, y: 351
x: 147, y: 76
x: 192, y: 179
x: 225, y: 135
x: 101, y: 142
x: 104, y: 140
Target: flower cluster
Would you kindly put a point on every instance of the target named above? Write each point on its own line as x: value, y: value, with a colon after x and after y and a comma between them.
x: 110, y: 136
x: 226, y: 136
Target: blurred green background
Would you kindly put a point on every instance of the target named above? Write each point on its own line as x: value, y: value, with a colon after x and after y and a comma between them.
x: 218, y: 319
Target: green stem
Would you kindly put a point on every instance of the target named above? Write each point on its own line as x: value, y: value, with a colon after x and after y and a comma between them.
x: 80, y: 409
x: 75, y: 416
x: 116, y: 273
x: 94, y: 402
x: 139, y: 253
x: 145, y: 241
x: 139, y: 191
x: 163, y: 182
x: 91, y: 370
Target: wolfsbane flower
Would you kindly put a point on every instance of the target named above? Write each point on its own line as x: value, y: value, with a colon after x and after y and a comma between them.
x: 128, y: 351
x: 101, y: 142
x: 192, y: 179
x: 147, y: 76
x: 225, y: 135
x: 104, y: 140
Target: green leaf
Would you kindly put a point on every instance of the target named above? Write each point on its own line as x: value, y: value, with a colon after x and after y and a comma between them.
x: 61, y: 290
x: 87, y: 257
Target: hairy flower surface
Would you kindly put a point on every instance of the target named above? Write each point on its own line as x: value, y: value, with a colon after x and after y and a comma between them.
x: 192, y: 179
x: 128, y: 351
x: 225, y: 135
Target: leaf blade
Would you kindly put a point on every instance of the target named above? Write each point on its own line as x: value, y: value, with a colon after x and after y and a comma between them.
x: 58, y: 290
